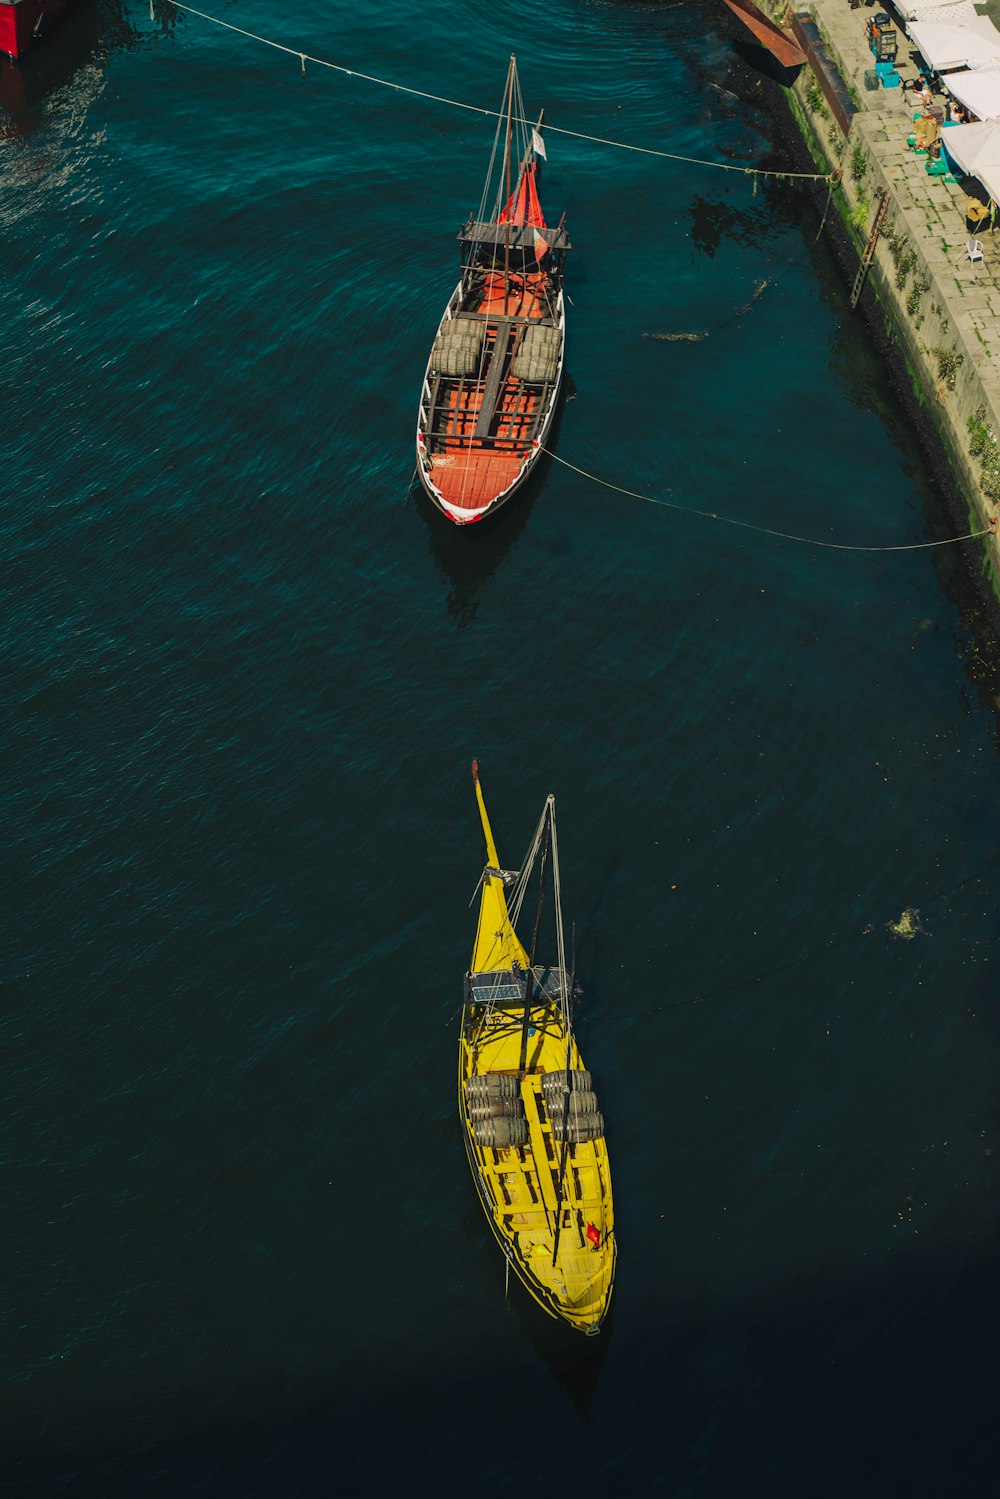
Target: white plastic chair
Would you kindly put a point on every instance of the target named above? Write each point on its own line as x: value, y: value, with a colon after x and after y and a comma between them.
x: 973, y: 253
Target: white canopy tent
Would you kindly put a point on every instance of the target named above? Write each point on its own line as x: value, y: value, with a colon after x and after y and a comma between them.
x: 976, y: 148
x: 978, y: 89
x: 934, y: 10
x: 943, y: 45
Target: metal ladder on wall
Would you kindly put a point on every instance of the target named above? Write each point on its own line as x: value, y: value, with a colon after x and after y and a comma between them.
x: 869, y: 251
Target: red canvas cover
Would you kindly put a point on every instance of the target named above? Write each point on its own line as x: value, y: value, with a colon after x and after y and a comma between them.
x: 524, y: 207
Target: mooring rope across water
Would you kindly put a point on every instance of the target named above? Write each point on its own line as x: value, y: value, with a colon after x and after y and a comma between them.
x: 728, y: 520
x: 400, y: 88
x: 831, y: 178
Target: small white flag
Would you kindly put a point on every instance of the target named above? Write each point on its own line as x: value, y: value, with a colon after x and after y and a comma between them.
x: 538, y: 145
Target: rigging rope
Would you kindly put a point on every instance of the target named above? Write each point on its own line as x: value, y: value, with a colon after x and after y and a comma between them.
x: 803, y: 957
x: 524, y: 873
x: 728, y: 520
x: 399, y: 88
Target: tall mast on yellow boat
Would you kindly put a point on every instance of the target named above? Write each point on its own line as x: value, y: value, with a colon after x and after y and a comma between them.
x: 565, y: 1120
x: 529, y: 981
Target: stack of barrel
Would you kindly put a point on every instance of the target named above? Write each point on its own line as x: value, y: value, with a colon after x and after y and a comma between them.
x: 457, y: 347
x: 571, y: 1104
x: 537, y: 358
x: 496, y: 1109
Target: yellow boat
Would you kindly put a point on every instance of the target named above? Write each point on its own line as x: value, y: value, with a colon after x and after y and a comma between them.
x: 532, y: 1128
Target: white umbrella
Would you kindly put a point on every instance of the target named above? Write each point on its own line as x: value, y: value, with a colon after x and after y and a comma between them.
x: 978, y: 89
x: 953, y: 11
x: 976, y: 148
x: 946, y: 46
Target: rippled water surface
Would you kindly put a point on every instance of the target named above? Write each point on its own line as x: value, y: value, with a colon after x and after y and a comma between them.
x: 246, y: 668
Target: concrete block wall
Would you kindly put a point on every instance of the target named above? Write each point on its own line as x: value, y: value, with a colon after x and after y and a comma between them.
x: 958, y: 313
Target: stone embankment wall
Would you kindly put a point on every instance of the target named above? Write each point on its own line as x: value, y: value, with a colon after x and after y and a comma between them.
x: 942, y: 319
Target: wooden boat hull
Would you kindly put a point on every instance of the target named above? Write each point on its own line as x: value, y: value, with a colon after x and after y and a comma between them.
x: 533, y: 1131
x: 518, y: 1185
x: 778, y: 42
x: 469, y: 465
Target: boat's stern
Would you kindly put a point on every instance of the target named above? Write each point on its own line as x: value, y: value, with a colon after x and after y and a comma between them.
x: 540, y: 1159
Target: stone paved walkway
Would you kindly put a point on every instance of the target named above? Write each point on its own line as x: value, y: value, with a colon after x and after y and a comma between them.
x: 933, y: 210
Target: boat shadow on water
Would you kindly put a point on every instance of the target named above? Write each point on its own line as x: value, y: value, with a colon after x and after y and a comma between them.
x: 759, y: 60
x: 468, y: 556
x: 575, y: 1363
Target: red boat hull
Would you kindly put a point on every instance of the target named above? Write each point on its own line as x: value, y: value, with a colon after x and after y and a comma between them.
x: 24, y: 22
x: 777, y: 42
x: 470, y: 478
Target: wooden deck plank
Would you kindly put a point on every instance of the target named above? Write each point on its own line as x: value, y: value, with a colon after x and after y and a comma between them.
x: 494, y: 380
x: 481, y: 431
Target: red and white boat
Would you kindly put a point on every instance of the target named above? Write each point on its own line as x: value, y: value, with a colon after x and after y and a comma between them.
x: 493, y: 377
x: 24, y: 22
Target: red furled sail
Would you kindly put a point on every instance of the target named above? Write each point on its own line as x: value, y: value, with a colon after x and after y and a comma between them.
x: 523, y: 206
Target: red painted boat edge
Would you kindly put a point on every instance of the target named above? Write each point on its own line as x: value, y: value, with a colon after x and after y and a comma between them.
x: 25, y: 22
x: 778, y: 42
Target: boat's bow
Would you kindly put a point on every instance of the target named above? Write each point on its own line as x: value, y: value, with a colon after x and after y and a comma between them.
x: 497, y: 945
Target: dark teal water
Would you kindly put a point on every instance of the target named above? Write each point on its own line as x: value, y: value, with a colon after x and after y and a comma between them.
x: 246, y: 666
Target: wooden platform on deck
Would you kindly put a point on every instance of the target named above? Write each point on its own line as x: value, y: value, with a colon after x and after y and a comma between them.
x: 482, y: 426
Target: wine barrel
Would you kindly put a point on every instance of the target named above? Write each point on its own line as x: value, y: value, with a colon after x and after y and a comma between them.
x: 501, y: 1132
x: 555, y: 1082
x: 586, y: 1127
x: 495, y: 1107
x: 492, y: 1085
x: 578, y: 1104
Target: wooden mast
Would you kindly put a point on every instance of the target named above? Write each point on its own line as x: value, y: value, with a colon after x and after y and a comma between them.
x: 506, y: 226
x: 566, y: 1098
x: 529, y: 981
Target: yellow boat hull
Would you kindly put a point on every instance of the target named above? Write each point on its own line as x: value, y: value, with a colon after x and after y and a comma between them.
x: 527, y: 1190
